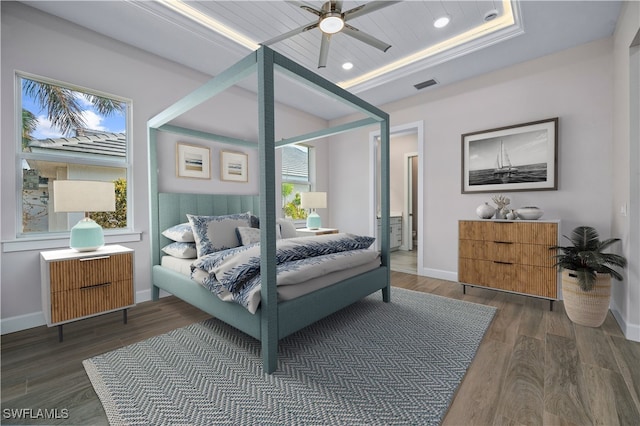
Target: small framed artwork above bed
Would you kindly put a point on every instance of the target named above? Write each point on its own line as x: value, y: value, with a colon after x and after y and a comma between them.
x: 233, y: 166
x: 193, y: 161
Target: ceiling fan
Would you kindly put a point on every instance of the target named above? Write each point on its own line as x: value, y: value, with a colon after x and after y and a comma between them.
x: 332, y: 20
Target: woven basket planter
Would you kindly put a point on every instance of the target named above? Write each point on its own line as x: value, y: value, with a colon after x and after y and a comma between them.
x: 588, y: 308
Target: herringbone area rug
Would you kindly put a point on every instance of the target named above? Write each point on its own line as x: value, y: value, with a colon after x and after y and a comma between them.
x: 371, y: 363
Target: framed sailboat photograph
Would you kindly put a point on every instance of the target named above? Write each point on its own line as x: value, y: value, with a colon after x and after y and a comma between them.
x: 522, y: 157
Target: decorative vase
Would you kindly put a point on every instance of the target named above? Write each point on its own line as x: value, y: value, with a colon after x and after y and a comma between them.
x: 500, y: 214
x: 485, y: 211
x: 511, y: 215
x: 588, y: 308
x: 529, y: 213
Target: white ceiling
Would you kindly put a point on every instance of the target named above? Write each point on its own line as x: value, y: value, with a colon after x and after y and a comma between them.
x: 540, y: 28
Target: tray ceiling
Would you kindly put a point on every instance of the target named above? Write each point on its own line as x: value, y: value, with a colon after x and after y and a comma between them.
x: 470, y: 45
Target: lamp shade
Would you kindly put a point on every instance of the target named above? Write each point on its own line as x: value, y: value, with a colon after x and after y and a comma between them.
x: 313, y: 200
x: 84, y: 196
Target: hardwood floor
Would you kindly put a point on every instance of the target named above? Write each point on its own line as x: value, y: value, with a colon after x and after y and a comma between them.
x: 536, y: 367
x: 404, y: 261
x: 533, y: 367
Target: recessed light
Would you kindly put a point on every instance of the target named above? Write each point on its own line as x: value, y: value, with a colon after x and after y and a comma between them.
x: 490, y: 15
x: 442, y: 21
x: 347, y: 66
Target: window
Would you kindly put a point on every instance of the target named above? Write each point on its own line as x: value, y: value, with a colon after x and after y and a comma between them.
x: 296, y: 178
x: 69, y: 133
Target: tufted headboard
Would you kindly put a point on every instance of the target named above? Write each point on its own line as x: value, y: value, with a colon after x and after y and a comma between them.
x: 173, y: 209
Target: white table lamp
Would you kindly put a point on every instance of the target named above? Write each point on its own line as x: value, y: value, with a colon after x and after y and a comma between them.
x: 313, y: 200
x: 84, y: 196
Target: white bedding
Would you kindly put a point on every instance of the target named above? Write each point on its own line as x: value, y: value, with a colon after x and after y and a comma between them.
x: 285, y: 292
x: 294, y: 278
x: 175, y: 264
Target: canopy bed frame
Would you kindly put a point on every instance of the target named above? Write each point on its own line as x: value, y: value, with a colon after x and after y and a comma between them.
x: 273, y: 320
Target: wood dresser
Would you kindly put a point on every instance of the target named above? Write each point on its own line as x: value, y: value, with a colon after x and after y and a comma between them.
x: 511, y: 256
x: 78, y: 285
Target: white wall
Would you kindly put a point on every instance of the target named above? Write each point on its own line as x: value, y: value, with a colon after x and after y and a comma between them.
x: 574, y: 85
x: 41, y: 44
x: 626, y: 173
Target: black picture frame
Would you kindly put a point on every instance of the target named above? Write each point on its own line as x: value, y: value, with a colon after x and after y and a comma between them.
x: 521, y: 157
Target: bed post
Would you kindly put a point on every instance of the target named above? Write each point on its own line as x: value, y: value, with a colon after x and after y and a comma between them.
x: 154, y: 231
x: 269, y: 297
x: 385, y: 205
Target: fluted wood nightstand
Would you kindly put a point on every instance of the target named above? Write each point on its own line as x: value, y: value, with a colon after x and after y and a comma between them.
x: 303, y: 232
x: 78, y: 285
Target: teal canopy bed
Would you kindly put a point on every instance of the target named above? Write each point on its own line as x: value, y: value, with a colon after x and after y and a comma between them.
x: 273, y: 319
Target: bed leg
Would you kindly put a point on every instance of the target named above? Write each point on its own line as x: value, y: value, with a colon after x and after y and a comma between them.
x: 269, y: 346
x: 386, y: 294
x: 155, y: 293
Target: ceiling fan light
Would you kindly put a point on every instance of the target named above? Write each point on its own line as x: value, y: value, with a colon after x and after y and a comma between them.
x: 331, y: 23
x: 442, y: 22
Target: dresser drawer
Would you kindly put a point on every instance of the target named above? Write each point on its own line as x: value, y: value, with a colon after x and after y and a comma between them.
x: 474, y: 271
x: 537, y: 255
x: 538, y: 281
x: 538, y: 233
x: 504, y: 275
x: 90, y: 300
x: 506, y: 232
x: 490, y: 250
x: 89, y: 271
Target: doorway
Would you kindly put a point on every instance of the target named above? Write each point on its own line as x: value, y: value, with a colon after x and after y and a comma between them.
x: 410, y: 218
x: 406, y: 201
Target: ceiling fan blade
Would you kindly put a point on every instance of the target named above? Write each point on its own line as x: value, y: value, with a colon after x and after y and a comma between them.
x: 367, y: 8
x: 365, y: 38
x: 306, y: 6
x: 324, y: 50
x: 291, y: 33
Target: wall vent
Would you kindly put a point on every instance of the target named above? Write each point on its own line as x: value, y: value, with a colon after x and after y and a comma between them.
x: 425, y: 84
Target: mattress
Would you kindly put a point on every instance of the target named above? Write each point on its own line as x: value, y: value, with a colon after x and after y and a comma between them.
x: 175, y: 264
x: 285, y: 292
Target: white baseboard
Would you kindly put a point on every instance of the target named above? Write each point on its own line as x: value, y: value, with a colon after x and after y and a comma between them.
x: 22, y: 322
x: 36, y: 319
x: 440, y: 274
x: 630, y: 331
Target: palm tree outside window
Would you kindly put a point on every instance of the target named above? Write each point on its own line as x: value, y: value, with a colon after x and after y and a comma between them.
x: 296, y: 178
x: 69, y: 133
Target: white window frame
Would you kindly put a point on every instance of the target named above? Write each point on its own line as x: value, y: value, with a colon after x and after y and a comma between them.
x: 311, y: 179
x: 53, y: 239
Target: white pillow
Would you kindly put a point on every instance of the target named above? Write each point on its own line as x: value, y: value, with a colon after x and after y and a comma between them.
x: 180, y: 233
x: 248, y: 235
x: 287, y: 228
x: 215, y: 233
x: 181, y: 250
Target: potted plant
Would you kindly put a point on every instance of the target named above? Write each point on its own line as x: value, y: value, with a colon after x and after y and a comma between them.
x: 587, y: 274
